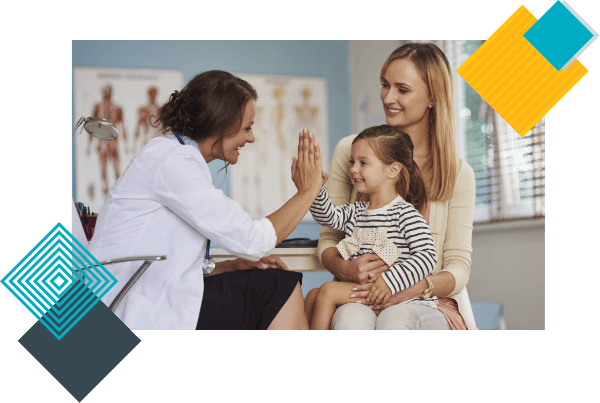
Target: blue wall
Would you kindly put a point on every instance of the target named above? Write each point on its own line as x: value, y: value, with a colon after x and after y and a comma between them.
x: 328, y: 59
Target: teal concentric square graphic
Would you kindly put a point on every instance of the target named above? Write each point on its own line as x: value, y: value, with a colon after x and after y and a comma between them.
x: 559, y: 35
x: 59, y: 281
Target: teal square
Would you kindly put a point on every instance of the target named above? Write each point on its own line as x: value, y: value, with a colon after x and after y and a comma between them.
x: 558, y: 35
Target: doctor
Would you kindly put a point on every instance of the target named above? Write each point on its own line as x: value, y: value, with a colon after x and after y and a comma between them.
x: 165, y: 203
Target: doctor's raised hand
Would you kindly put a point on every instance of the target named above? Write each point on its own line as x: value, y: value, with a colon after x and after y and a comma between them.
x: 307, y: 174
x: 307, y: 169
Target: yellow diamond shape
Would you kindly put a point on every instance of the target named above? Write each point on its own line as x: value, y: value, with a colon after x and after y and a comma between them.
x: 514, y: 78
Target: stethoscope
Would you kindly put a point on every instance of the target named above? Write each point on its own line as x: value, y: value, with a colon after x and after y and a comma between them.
x: 208, y: 264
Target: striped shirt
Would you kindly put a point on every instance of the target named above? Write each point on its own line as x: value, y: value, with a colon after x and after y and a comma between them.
x: 405, y: 226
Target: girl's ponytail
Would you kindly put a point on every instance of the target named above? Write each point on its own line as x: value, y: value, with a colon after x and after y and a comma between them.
x: 417, y: 194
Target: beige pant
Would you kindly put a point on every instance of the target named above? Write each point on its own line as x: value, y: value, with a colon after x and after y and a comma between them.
x: 397, y: 317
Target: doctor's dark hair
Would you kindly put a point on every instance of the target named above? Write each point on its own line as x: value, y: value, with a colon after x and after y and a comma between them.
x: 392, y: 145
x: 211, y: 104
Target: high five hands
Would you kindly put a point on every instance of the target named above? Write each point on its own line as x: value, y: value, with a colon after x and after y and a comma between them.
x: 307, y: 170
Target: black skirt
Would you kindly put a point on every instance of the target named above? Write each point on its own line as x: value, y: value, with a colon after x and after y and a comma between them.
x: 245, y: 300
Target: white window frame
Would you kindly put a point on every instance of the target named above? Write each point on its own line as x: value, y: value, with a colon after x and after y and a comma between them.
x: 506, y: 208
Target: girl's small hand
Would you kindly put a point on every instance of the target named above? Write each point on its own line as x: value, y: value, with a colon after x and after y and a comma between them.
x: 361, y: 291
x: 380, y: 292
x: 325, y: 177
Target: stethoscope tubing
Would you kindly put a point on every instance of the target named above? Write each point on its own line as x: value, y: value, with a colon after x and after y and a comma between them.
x: 208, y: 265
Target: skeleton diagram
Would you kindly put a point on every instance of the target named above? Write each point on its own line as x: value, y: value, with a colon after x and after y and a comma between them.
x: 143, y: 127
x: 108, y: 150
x: 260, y: 152
x: 277, y: 117
x: 307, y: 116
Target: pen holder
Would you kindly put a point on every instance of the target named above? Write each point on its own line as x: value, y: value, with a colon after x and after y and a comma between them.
x: 90, y: 226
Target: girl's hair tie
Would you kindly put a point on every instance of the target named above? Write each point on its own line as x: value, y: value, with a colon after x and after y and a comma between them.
x: 191, y: 128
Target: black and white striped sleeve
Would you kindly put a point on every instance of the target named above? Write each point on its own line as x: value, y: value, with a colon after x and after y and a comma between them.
x: 326, y: 213
x: 422, y: 258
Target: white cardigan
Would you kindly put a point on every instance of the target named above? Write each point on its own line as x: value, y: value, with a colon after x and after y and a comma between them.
x: 450, y: 221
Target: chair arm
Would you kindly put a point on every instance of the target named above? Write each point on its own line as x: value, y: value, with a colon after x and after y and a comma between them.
x: 147, y: 259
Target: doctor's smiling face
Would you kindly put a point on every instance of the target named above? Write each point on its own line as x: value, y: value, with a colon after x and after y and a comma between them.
x: 233, y: 143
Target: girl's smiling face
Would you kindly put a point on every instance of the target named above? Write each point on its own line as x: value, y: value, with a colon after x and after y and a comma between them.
x: 367, y: 172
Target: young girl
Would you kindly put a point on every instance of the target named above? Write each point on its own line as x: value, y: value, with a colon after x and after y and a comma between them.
x: 390, y: 225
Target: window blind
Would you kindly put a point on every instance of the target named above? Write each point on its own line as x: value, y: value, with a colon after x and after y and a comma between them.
x: 509, y: 169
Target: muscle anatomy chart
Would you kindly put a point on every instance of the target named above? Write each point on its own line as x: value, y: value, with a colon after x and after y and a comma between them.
x: 128, y: 98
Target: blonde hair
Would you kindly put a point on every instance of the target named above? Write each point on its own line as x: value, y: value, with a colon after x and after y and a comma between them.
x: 440, y: 169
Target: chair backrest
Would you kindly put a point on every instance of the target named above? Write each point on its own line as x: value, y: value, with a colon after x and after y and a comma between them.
x: 77, y: 228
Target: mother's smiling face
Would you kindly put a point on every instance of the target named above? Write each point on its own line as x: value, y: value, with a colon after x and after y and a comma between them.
x: 405, y: 95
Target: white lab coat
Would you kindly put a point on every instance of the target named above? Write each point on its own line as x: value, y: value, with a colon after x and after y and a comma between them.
x: 165, y: 204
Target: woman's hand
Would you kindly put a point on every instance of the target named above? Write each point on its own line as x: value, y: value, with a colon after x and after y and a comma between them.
x: 269, y: 262
x: 307, y: 171
x: 361, y: 292
x: 369, y: 268
x: 411, y: 292
x: 295, y: 167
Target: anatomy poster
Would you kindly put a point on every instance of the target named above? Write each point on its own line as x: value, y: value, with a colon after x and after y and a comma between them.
x: 126, y: 97
x: 261, y: 180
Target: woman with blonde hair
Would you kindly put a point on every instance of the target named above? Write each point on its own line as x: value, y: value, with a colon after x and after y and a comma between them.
x: 417, y: 95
